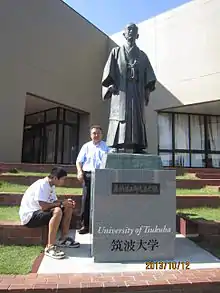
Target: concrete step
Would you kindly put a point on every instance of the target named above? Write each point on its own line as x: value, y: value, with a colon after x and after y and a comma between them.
x: 13, y: 233
x: 210, y: 175
x: 29, y: 179
x: 14, y: 199
x: 196, y: 183
x: 25, y: 167
x: 182, y: 171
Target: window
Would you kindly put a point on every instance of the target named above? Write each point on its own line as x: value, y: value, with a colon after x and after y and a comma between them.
x: 70, y: 117
x: 51, y: 115
x: 165, y: 131
x: 181, y: 125
x: 197, y: 131
x: 166, y: 159
x: 49, y: 139
x: 34, y: 118
x: 189, y: 140
x: 182, y: 160
x: 213, y: 133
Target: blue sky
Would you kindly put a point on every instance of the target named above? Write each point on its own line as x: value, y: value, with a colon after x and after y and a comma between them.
x: 112, y: 15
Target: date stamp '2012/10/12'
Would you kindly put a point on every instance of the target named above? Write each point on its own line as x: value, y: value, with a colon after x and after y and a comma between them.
x: 169, y: 265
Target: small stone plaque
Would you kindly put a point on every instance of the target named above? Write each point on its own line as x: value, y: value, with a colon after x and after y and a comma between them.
x: 135, y: 188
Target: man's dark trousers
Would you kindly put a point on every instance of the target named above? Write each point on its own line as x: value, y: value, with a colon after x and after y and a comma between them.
x: 85, y: 210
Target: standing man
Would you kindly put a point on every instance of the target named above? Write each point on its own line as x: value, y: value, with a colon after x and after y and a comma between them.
x: 89, y: 159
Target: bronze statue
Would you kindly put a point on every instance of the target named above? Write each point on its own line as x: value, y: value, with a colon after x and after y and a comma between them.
x: 128, y: 79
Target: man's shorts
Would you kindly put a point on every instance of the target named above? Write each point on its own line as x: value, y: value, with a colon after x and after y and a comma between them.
x: 40, y: 218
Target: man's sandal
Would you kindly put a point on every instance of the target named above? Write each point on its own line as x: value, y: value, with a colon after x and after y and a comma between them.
x: 68, y: 242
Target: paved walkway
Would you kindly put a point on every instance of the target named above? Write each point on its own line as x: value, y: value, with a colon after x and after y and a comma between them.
x: 80, y: 261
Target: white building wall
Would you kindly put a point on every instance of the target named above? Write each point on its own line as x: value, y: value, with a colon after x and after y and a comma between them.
x: 183, y: 46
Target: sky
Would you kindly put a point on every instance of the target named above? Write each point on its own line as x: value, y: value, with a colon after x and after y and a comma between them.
x: 112, y: 15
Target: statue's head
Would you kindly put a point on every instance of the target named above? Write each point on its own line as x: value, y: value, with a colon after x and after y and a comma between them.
x: 131, y: 32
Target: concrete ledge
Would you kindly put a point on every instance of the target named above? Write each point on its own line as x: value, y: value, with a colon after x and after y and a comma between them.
x: 205, y: 281
x: 26, y: 167
x: 196, y: 183
x: 204, y: 175
x: 205, y: 231
x: 10, y: 199
x: 186, y: 226
x: 12, y: 233
x: 195, y: 201
x: 28, y: 180
x: 181, y: 170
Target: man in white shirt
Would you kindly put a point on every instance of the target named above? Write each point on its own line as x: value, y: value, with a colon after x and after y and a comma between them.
x: 89, y: 158
x: 40, y: 207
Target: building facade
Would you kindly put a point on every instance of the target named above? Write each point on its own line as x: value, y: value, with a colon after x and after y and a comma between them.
x: 52, y: 61
x: 50, y: 57
x: 183, y: 114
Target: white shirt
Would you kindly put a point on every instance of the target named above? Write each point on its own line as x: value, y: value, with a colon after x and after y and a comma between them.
x: 40, y: 190
x: 91, y: 155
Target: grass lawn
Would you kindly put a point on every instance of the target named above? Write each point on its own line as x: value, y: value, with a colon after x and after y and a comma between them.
x: 203, y: 191
x: 15, y: 260
x: 16, y: 188
x: 204, y: 212
x: 40, y: 174
x: 9, y: 214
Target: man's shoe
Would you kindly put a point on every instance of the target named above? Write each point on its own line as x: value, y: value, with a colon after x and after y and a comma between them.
x: 54, y: 252
x: 84, y: 230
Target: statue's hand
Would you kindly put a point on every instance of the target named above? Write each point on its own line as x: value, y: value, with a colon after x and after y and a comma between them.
x: 147, y: 96
x: 146, y: 102
x: 113, y: 89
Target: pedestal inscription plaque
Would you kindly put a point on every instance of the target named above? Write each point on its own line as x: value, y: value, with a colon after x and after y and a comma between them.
x: 135, y: 188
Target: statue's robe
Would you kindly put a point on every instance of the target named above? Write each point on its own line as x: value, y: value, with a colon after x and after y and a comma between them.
x: 130, y: 71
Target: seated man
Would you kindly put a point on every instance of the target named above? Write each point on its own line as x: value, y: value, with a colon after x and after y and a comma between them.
x: 40, y: 207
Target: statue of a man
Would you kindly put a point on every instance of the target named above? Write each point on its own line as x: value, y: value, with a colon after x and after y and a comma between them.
x: 128, y: 79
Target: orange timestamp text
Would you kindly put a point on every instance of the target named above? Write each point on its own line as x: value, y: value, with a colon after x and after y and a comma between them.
x: 167, y: 265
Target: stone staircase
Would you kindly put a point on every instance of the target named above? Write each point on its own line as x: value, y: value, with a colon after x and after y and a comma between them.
x: 202, y: 177
x: 14, y: 232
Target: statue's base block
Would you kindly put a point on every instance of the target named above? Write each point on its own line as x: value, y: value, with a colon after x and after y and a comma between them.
x: 133, y: 210
x: 131, y: 161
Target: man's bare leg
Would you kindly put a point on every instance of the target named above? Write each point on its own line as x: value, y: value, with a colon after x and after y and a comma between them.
x: 64, y: 240
x: 65, y: 225
x: 54, y: 225
x: 51, y: 249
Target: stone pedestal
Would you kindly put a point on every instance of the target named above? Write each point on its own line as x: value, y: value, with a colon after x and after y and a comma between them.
x: 133, y: 209
x: 131, y: 161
